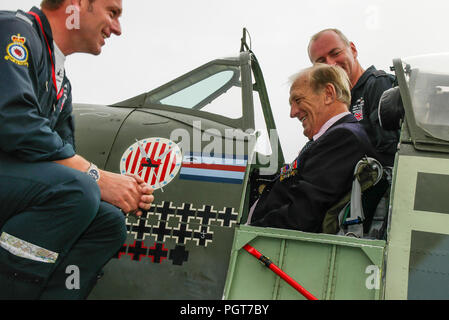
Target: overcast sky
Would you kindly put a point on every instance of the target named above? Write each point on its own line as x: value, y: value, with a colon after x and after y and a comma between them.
x: 162, y: 40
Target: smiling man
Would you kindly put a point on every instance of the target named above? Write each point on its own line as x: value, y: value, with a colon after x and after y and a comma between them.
x: 58, y: 212
x: 322, y: 173
x: 331, y: 46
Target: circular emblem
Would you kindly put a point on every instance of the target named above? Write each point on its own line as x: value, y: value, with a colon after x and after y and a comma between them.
x: 156, y: 160
x: 18, y: 52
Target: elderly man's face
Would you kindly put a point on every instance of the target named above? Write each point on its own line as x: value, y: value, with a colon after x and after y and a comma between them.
x: 307, y: 106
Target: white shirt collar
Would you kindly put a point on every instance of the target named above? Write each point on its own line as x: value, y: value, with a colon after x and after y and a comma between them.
x: 329, y: 123
x: 59, y: 66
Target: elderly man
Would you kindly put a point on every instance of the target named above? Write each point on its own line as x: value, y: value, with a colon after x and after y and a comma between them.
x: 59, y: 214
x: 330, y: 46
x: 322, y: 173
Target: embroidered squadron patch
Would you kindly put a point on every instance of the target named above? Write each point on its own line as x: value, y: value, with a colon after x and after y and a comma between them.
x: 16, y: 51
x: 357, y: 109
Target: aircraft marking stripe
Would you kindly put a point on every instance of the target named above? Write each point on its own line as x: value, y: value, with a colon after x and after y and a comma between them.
x: 212, y: 173
x: 210, y: 179
x: 168, y: 158
x: 128, y: 159
x: 156, y: 170
x: 136, y: 155
x: 153, y: 149
x: 152, y: 154
x: 172, y: 166
x: 141, y: 170
x: 214, y: 160
x: 214, y: 166
x: 216, y: 155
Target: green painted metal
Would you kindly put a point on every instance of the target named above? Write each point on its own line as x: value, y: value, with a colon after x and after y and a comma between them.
x: 266, y: 106
x: 405, y: 218
x: 419, y: 154
x: 328, y: 266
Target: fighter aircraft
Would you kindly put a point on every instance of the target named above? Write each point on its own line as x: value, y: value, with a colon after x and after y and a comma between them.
x: 198, y: 142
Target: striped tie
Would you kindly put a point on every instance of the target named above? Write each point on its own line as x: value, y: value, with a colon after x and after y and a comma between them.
x: 305, y: 148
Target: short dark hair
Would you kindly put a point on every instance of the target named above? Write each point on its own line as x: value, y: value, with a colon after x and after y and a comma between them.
x: 318, y: 34
x: 51, y: 4
x: 54, y: 4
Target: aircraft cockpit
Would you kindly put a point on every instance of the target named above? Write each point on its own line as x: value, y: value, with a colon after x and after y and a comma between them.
x: 428, y: 85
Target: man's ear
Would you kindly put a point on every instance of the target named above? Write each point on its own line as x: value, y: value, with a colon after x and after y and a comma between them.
x: 353, y: 50
x: 330, y: 94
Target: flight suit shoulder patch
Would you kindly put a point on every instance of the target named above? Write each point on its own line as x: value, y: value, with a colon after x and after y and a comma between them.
x: 16, y: 51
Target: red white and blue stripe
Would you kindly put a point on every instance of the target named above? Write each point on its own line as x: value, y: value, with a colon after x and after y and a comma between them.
x: 213, y: 168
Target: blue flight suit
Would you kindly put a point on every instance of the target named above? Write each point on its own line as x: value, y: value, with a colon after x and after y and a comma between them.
x: 365, y: 96
x: 51, y: 216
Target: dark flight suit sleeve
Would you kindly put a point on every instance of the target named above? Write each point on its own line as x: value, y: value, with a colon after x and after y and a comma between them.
x: 386, y: 140
x: 325, y: 177
x: 25, y: 132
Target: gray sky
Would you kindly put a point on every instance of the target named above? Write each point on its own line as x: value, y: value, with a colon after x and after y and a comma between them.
x: 162, y: 40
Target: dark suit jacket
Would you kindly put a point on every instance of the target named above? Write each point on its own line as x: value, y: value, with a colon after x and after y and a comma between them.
x: 324, y: 175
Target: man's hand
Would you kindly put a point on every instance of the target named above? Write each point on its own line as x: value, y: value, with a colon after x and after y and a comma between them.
x: 146, y: 194
x: 129, y: 193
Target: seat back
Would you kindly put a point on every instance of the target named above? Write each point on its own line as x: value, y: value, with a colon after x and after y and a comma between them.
x: 362, y: 211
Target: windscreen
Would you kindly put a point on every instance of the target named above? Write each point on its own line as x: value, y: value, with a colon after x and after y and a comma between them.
x: 215, y: 89
x: 428, y: 83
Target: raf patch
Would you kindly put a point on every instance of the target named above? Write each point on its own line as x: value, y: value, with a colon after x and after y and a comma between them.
x: 16, y: 51
x: 357, y: 109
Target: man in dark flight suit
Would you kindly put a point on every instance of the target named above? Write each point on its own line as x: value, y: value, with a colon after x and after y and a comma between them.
x: 58, y: 212
x: 331, y: 46
x: 322, y: 173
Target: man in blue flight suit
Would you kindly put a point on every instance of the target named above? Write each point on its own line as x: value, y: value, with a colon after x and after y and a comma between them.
x: 58, y: 211
x: 331, y: 46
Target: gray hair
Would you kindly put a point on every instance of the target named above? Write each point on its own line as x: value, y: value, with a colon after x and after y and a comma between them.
x: 320, y: 74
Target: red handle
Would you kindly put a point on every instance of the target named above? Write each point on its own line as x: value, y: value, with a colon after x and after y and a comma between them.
x: 279, y: 272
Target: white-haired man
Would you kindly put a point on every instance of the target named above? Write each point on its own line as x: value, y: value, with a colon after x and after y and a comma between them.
x: 322, y: 173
